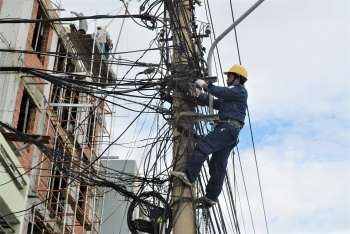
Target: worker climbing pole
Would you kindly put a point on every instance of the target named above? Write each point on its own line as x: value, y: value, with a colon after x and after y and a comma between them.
x: 223, y: 138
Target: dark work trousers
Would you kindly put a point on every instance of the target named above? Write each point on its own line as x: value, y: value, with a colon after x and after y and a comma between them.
x: 219, y: 143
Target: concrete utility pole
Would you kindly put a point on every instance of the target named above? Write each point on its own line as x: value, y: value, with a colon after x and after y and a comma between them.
x: 183, y: 143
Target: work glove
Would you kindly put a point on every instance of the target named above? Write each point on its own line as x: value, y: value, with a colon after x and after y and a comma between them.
x: 200, y: 82
x: 195, y: 92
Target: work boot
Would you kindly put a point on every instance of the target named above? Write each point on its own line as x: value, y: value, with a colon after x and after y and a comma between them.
x: 208, y: 200
x: 181, y: 176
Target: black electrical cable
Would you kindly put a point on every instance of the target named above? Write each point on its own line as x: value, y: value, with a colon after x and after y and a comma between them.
x: 17, y: 20
x: 236, y: 189
x: 245, y: 187
x: 75, y: 54
x: 233, y: 20
x: 67, y: 83
x: 47, y: 150
x: 250, y: 127
x: 73, y: 180
x: 257, y: 170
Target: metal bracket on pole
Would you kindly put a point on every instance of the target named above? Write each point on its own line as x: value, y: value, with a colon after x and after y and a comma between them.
x: 206, y: 79
x: 196, y: 117
x: 207, y: 118
x: 211, y: 50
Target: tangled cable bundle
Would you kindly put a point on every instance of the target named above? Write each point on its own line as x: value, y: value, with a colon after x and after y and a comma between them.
x: 151, y: 94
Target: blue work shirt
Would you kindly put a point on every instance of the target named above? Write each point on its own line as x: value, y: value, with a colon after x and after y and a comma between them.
x: 231, y: 102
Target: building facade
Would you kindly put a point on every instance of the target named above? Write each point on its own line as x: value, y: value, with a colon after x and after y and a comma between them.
x: 13, y: 194
x: 45, y: 200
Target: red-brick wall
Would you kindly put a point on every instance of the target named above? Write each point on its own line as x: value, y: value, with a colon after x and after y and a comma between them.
x: 32, y: 60
x: 18, y: 105
x: 27, y: 154
x: 33, y: 120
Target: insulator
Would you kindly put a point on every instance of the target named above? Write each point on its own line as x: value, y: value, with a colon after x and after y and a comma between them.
x: 161, y: 33
x: 208, y: 30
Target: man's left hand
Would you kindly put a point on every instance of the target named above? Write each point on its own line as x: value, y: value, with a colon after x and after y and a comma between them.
x: 200, y: 82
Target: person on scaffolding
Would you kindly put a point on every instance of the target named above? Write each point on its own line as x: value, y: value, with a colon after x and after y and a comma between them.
x: 108, y: 48
x: 83, y: 25
x: 232, y: 106
x: 102, y: 38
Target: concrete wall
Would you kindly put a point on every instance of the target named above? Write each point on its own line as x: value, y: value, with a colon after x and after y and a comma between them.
x: 12, y: 36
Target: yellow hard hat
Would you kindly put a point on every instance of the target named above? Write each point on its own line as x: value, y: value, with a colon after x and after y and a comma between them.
x: 238, y: 69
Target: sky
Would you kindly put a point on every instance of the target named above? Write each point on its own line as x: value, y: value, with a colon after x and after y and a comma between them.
x: 297, y: 57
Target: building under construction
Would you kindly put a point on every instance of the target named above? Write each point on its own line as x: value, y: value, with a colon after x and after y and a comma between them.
x: 58, y: 99
x: 40, y: 199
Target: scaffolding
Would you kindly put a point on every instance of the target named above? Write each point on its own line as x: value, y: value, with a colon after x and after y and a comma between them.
x: 76, y: 122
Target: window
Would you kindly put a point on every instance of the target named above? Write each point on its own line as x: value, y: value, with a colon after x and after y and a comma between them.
x: 82, y: 196
x: 41, y: 36
x: 38, y: 35
x: 67, y: 115
x: 24, y: 115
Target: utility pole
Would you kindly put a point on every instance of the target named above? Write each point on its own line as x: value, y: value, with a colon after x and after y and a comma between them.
x: 183, y: 131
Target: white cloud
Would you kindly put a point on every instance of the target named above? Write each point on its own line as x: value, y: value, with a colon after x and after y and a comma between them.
x: 300, y: 196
